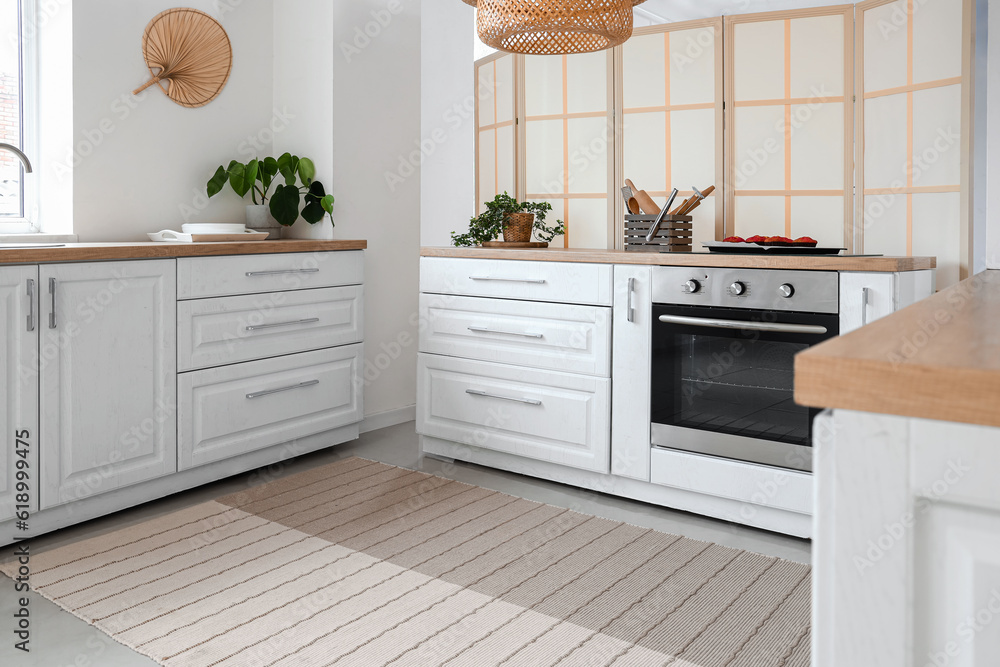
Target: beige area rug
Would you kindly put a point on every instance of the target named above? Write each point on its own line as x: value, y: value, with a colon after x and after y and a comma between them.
x: 360, y: 563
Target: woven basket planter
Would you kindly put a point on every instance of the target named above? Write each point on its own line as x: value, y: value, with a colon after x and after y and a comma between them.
x: 517, y: 227
x: 554, y: 27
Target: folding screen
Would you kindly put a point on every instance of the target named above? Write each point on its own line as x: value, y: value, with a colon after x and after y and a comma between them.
x: 672, y: 115
x: 495, y: 135
x: 568, y: 143
x: 789, y: 124
x: 912, y: 158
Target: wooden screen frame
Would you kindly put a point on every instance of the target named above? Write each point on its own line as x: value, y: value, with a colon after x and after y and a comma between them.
x: 522, y: 144
x: 967, y: 114
x: 719, y: 105
x: 487, y: 60
x: 847, y: 11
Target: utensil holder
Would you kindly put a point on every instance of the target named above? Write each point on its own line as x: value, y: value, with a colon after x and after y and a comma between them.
x: 674, y: 234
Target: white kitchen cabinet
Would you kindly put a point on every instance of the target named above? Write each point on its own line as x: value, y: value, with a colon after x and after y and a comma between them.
x: 630, y: 398
x: 108, y: 376
x: 18, y: 387
x: 866, y: 297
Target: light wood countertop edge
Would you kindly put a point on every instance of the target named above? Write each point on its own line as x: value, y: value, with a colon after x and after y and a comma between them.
x: 96, y: 252
x: 938, y: 359
x: 801, y: 262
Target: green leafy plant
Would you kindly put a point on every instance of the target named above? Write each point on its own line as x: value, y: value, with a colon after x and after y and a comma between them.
x: 300, y: 187
x: 489, y: 224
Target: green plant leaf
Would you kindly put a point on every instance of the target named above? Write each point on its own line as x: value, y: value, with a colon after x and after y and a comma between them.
x: 314, y: 211
x: 242, y: 177
x: 327, y: 203
x: 307, y: 171
x: 284, y: 205
x: 217, y: 182
x: 288, y: 165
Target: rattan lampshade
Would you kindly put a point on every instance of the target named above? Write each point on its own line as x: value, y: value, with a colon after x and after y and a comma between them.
x: 189, y: 51
x: 554, y: 27
x: 475, y: 2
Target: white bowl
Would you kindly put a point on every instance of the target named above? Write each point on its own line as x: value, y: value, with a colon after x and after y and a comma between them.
x: 213, y: 228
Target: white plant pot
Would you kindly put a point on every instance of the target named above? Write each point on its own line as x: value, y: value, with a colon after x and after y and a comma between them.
x: 259, y: 218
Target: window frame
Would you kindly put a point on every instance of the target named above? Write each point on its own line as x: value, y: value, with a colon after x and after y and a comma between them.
x: 27, y: 223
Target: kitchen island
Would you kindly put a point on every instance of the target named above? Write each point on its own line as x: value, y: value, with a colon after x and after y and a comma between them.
x: 907, y: 543
x: 542, y: 362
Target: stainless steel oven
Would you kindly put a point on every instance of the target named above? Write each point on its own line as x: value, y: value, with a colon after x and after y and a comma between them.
x: 724, y: 342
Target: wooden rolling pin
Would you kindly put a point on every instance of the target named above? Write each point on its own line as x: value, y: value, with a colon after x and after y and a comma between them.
x: 646, y: 202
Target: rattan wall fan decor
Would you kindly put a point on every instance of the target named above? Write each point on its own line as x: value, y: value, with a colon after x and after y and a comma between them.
x: 189, y: 56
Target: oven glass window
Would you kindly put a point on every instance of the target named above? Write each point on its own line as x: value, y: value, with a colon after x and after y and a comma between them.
x: 729, y: 383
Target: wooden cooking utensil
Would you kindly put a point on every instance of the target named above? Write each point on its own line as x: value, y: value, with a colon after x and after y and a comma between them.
x: 646, y: 202
x: 695, y: 200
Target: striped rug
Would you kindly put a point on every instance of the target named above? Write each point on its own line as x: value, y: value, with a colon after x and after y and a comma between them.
x: 360, y: 563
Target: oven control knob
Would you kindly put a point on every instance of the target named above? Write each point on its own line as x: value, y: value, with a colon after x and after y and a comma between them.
x: 737, y: 288
x: 786, y: 291
x: 691, y: 287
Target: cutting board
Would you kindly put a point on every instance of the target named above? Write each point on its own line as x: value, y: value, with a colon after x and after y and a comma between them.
x: 170, y: 236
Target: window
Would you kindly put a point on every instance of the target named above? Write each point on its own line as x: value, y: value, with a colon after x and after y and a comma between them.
x: 850, y: 124
x: 17, y: 65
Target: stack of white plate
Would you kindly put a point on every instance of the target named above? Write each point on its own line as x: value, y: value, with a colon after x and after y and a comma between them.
x: 208, y: 232
x: 213, y: 228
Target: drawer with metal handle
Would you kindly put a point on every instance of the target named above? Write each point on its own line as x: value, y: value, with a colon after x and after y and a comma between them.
x: 202, y: 277
x: 227, y: 330
x: 556, y: 282
x: 554, y: 336
x: 232, y: 410
x: 562, y: 418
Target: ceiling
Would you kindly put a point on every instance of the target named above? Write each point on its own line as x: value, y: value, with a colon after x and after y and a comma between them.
x: 670, y: 11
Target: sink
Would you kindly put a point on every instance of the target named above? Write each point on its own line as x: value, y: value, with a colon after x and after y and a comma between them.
x: 24, y: 246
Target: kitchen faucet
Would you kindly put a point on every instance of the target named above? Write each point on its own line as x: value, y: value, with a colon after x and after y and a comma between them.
x: 20, y: 156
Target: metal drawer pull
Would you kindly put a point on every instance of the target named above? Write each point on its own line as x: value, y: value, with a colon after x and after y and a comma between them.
x: 258, y: 327
x: 506, y: 333
x: 31, y: 305
x: 748, y: 326
x: 526, y: 401
x: 531, y: 281
x: 631, y: 290
x: 300, y: 385
x: 52, y: 292
x: 253, y: 274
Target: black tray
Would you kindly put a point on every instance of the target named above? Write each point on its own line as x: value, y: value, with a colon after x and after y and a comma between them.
x: 754, y: 249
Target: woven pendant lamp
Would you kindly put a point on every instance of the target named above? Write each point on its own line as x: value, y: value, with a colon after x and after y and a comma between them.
x: 554, y: 27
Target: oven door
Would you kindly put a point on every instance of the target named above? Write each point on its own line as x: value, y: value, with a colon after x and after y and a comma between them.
x: 723, y: 382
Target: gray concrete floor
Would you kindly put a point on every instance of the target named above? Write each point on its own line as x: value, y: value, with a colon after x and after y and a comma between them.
x: 59, y: 639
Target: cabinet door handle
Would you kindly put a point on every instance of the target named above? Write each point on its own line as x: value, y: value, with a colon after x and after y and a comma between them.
x: 31, y: 305
x: 506, y: 333
x: 52, y: 292
x: 526, y: 401
x: 301, y: 385
x: 258, y: 327
x: 631, y: 290
x: 865, y: 299
x: 531, y: 281
x: 257, y: 274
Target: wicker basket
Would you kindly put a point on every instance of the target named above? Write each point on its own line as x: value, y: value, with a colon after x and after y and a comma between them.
x: 517, y: 227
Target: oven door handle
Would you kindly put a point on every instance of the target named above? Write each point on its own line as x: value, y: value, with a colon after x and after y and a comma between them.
x: 775, y: 327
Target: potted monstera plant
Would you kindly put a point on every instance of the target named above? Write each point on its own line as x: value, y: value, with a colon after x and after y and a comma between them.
x: 296, y: 192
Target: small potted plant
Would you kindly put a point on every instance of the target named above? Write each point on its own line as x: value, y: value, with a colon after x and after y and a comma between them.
x: 516, y: 221
x: 270, y: 212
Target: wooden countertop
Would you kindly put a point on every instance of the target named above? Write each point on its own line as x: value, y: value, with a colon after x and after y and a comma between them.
x: 938, y: 359
x: 96, y: 252
x: 802, y: 262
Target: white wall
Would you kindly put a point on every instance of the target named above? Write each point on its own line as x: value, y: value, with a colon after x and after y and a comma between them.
x: 376, y: 119
x: 141, y: 163
x: 447, y: 126
x: 993, y: 139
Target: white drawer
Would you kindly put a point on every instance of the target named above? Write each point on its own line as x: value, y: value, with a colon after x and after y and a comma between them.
x: 201, y: 277
x: 552, y: 336
x: 228, y: 411
x: 227, y: 330
x: 557, y: 417
x: 560, y: 282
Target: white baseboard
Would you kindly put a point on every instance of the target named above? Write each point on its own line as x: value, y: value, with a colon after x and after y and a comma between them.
x: 389, y: 418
